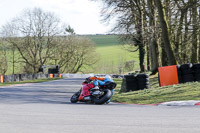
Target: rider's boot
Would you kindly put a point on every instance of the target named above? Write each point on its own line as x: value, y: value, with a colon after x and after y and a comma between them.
x: 95, y: 88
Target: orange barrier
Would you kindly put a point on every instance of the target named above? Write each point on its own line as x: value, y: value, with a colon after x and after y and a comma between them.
x: 168, y: 75
x: 1, y: 76
x: 51, y: 75
x: 60, y: 75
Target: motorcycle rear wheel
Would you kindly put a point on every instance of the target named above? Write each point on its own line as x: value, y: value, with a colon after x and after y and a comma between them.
x: 103, y: 99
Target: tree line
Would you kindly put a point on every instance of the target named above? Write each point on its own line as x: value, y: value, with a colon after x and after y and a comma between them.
x: 36, y: 38
x: 167, y: 32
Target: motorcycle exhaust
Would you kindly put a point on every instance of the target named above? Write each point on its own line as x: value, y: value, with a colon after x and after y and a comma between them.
x: 97, y: 93
x: 88, y: 98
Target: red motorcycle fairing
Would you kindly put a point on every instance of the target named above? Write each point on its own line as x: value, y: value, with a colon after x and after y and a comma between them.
x: 85, y: 90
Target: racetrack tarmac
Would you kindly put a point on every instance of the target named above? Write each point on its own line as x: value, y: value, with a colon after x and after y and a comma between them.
x: 45, y: 108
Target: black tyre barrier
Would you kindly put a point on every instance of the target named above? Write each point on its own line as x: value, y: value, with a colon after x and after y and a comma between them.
x: 131, y: 80
x: 137, y: 82
x: 143, y: 87
x: 144, y: 83
x: 186, y: 66
x: 196, y: 71
x: 186, y: 72
x: 142, y: 76
x: 180, y: 80
x: 132, y: 87
x: 130, y: 76
x: 131, y: 84
x: 188, y: 78
x: 179, y: 70
x: 143, y: 80
x: 179, y: 74
x: 196, y: 66
x: 197, y: 77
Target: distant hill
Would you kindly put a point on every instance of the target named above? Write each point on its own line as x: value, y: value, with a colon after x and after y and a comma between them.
x: 112, y: 55
x: 104, y: 40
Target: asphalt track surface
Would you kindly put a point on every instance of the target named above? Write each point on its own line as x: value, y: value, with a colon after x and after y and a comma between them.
x: 45, y: 108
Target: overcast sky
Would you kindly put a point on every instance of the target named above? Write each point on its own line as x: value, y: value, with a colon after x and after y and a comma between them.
x: 82, y: 15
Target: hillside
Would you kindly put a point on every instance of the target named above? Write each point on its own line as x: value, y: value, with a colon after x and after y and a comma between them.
x: 112, y: 55
x: 104, y: 40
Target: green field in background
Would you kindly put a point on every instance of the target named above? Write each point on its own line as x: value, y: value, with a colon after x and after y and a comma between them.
x: 110, y: 53
x: 104, y: 40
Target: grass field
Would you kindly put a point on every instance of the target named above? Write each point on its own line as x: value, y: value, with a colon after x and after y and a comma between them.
x: 104, y: 40
x: 156, y: 94
x: 112, y: 54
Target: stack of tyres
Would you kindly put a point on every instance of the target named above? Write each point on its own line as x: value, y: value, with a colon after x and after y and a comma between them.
x: 143, y: 81
x: 180, y: 80
x: 196, y: 69
x: 131, y: 82
x: 187, y: 73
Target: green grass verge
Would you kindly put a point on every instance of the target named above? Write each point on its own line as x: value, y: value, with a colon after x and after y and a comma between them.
x: 156, y: 94
x: 29, y: 81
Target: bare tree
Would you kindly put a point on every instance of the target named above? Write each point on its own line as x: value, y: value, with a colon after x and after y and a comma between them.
x: 194, y: 56
x: 32, y: 34
x: 74, y: 53
x: 3, y: 58
x: 153, y: 50
x: 129, y: 23
x: 165, y: 33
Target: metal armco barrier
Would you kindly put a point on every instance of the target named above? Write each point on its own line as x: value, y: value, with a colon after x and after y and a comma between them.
x: 23, y: 77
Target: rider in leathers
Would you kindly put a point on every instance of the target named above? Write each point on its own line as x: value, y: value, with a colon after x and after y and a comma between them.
x: 101, y: 81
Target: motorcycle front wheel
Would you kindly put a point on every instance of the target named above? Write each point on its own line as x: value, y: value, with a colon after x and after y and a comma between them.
x: 103, y: 99
x: 74, y: 98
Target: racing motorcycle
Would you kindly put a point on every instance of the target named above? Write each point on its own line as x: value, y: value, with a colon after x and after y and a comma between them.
x: 88, y: 95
